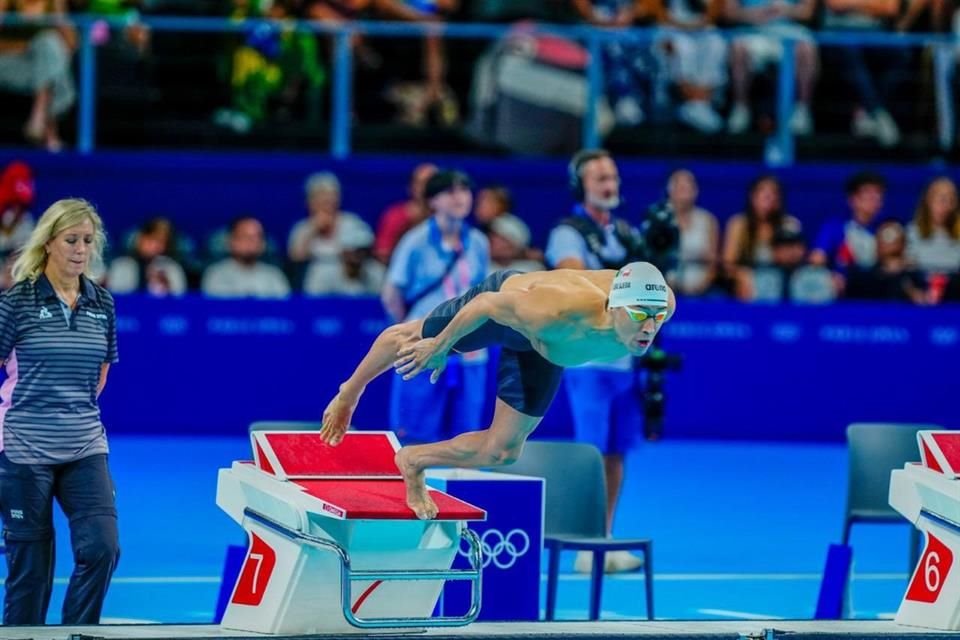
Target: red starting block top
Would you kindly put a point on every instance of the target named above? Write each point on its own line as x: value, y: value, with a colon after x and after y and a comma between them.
x: 940, y: 451
x: 381, y: 500
x: 302, y: 454
x: 356, y: 479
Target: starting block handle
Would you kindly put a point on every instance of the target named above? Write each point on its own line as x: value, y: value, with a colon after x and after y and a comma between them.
x: 347, y: 576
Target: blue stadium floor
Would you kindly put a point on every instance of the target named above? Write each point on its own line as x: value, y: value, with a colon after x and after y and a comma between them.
x: 740, y: 531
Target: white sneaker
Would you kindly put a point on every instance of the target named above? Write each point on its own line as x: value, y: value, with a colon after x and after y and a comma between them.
x: 888, y: 134
x: 621, y: 561
x: 584, y: 562
x: 701, y: 116
x: 864, y: 124
x: 801, y: 123
x: 739, y: 119
x: 613, y: 562
x: 628, y: 112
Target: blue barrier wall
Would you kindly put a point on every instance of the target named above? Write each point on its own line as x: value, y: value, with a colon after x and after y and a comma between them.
x: 203, y: 191
x: 196, y: 366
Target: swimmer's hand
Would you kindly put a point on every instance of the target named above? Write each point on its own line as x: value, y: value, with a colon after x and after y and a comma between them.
x: 424, y: 354
x: 336, y: 419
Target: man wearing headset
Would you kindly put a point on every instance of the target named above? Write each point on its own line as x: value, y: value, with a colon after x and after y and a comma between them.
x: 601, y: 395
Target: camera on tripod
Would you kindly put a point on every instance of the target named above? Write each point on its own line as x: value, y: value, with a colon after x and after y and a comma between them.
x: 652, y: 394
x: 660, y: 246
x: 660, y: 237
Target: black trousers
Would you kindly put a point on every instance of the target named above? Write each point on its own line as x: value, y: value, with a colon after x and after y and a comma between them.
x: 85, y: 492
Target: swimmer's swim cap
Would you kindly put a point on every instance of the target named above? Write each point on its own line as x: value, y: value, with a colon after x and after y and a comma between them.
x: 638, y: 284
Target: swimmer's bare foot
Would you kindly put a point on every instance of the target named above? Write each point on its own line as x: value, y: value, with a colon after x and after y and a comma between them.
x: 336, y: 419
x: 418, y: 498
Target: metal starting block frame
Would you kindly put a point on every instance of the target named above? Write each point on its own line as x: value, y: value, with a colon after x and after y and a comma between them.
x: 333, y: 546
x: 928, y: 495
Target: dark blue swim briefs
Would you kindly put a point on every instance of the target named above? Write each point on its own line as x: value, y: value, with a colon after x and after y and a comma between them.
x: 526, y: 381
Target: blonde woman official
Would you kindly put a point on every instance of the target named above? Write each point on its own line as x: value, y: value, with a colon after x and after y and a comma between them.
x: 57, y: 340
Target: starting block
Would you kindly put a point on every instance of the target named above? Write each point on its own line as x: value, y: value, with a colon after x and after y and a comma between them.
x: 333, y: 547
x: 928, y: 495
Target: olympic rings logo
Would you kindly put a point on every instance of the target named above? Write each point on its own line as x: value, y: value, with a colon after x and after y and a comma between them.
x: 502, y: 550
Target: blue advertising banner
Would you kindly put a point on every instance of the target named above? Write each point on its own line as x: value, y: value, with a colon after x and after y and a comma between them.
x: 198, y: 366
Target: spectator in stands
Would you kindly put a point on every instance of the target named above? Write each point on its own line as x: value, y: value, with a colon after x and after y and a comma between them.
x: 135, y: 33
x: 772, y: 20
x: 275, y: 65
x: 626, y: 61
x: 438, y: 260
x: 891, y: 277
x: 787, y: 278
x: 335, y: 10
x: 319, y: 236
x: 357, y: 273
x: 696, y: 56
x: 492, y: 201
x: 16, y: 222
x: 150, y: 267
x: 16, y: 198
x: 403, y: 216
x: 216, y: 247
x: 845, y: 242
x: 699, y: 237
x: 36, y: 60
x: 937, y: 12
x: 244, y: 273
x: 939, y: 16
x: 748, y: 237
x: 434, y: 102
x: 368, y: 61
x: 872, y: 72
x: 509, y: 241
x: 933, y: 238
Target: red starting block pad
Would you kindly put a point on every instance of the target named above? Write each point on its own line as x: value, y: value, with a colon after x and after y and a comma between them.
x: 381, y: 500
x: 333, y: 547
x: 940, y: 451
x: 928, y: 495
x: 302, y: 454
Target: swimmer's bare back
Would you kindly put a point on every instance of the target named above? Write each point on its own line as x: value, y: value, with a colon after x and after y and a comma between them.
x: 590, y: 284
x: 563, y: 314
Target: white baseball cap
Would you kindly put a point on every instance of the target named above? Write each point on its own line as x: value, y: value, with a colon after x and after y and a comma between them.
x: 638, y: 284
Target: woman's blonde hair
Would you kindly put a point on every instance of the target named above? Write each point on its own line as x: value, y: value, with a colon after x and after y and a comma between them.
x: 62, y: 214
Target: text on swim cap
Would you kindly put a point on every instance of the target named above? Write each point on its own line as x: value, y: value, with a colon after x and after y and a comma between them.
x: 656, y: 287
x: 621, y: 285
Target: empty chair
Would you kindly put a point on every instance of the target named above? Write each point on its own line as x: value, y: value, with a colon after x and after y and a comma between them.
x: 576, y: 498
x: 876, y: 449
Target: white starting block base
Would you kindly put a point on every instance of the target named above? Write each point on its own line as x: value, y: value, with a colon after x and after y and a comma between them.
x: 928, y: 495
x: 333, y: 548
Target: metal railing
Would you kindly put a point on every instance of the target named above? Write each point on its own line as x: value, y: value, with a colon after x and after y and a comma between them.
x: 779, y: 149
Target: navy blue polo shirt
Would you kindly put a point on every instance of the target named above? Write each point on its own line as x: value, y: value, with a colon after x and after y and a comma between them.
x: 48, y: 402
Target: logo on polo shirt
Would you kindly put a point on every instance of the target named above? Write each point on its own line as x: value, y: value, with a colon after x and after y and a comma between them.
x: 16, y: 514
x: 45, y: 313
x: 98, y: 316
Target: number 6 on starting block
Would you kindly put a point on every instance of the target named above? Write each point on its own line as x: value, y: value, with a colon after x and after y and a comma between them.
x: 931, y: 573
x: 933, y: 596
x: 927, y: 494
